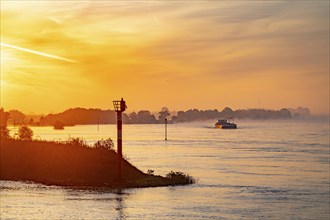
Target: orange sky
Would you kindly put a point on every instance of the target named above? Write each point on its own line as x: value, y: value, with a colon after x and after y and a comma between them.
x: 180, y: 54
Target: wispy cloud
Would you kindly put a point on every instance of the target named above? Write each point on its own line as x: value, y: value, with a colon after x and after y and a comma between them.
x: 174, y: 47
x: 37, y: 52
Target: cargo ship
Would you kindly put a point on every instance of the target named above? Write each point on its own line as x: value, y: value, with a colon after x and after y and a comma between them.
x: 225, y: 124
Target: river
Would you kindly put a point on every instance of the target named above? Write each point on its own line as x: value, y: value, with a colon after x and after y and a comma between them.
x: 262, y: 170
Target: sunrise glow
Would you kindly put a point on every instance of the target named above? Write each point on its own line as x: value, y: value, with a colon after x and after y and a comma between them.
x: 208, y: 55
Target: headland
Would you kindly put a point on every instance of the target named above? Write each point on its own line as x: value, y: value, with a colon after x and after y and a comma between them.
x: 70, y: 164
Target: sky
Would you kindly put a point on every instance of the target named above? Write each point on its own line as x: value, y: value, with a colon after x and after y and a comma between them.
x: 246, y: 54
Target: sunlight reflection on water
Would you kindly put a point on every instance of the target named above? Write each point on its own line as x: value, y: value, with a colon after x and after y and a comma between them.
x: 277, y: 170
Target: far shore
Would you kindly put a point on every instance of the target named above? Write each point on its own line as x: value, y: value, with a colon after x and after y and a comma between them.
x: 65, y: 164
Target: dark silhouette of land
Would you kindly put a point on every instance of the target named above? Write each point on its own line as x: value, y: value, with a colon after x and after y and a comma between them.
x: 82, y: 116
x: 68, y: 164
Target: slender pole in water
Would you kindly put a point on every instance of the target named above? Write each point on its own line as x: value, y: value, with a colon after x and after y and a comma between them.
x: 98, y: 124
x: 165, y: 129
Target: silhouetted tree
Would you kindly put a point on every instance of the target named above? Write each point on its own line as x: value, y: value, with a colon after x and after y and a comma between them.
x: 25, y: 133
x: 125, y: 118
x: 16, y: 117
x: 163, y: 114
x: 4, y: 132
x: 133, y: 118
x: 300, y: 112
x: 285, y: 114
x: 3, y: 117
x: 80, y: 116
x: 146, y: 118
x: 227, y: 113
x: 58, y: 125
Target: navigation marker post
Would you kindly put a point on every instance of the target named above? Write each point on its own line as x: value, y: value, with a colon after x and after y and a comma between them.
x: 165, y: 129
x: 120, y: 106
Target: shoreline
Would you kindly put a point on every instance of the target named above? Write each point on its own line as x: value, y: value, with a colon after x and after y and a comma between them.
x: 72, y: 165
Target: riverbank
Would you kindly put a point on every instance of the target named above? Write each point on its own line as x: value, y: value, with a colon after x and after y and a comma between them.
x: 53, y: 163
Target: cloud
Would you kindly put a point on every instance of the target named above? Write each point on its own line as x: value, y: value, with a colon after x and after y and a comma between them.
x: 38, y: 53
x: 122, y: 48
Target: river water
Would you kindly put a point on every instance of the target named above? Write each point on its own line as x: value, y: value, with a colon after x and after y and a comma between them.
x: 262, y: 170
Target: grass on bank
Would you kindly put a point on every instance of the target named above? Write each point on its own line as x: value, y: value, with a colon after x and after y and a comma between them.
x: 74, y: 163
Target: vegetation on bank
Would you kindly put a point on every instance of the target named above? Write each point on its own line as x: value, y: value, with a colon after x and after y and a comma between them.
x: 82, y: 116
x: 74, y: 163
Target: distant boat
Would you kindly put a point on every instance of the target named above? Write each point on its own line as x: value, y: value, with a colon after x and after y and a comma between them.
x: 58, y: 125
x: 225, y: 124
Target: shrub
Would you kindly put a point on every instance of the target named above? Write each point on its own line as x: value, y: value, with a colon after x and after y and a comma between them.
x: 4, y: 132
x: 25, y: 133
x: 76, y: 141
x: 180, y: 178
x: 151, y: 172
x: 106, y: 144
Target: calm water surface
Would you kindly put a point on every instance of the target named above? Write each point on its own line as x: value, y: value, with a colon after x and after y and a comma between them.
x: 263, y: 170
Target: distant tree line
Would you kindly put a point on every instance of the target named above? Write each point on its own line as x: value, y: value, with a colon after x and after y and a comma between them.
x: 82, y: 116
x: 258, y: 114
x: 4, y: 132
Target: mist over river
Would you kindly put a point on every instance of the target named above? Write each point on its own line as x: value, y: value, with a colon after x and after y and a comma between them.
x: 262, y: 170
